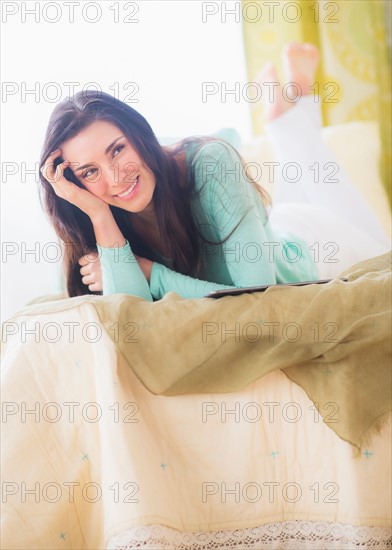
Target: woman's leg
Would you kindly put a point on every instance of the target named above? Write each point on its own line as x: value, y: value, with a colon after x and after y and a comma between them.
x: 300, y: 62
x: 308, y: 172
x: 334, y: 244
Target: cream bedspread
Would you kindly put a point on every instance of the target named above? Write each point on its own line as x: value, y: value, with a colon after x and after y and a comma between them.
x: 101, y: 453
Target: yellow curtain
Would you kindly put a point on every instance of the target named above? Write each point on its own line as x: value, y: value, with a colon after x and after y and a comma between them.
x: 354, y: 76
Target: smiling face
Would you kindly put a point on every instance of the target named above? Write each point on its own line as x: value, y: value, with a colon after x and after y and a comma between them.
x: 106, y: 163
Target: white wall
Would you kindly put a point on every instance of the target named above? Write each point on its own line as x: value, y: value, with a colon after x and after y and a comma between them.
x: 168, y: 53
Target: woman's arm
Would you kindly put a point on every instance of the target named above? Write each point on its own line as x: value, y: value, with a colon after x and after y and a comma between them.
x: 107, y: 232
x: 120, y: 270
x: 165, y: 280
x: 230, y: 204
x: 112, y: 247
x: 225, y: 198
x: 228, y: 199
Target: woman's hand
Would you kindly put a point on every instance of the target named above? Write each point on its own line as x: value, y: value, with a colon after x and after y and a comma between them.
x: 83, y: 199
x: 91, y: 271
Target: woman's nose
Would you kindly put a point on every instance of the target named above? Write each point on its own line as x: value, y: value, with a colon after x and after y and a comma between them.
x: 111, y: 175
x: 117, y: 174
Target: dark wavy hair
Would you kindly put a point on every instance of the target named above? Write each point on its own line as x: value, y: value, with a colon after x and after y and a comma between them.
x: 171, y: 199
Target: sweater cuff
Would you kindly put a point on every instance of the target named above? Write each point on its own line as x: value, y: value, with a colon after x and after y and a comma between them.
x: 117, y: 254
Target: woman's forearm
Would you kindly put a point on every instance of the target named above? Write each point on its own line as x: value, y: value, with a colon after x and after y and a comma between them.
x: 121, y: 273
x: 107, y: 232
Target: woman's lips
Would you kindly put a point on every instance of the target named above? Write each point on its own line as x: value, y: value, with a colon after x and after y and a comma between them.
x: 132, y: 193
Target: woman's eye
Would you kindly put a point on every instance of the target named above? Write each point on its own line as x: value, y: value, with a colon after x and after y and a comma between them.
x: 88, y: 173
x: 91, y: 171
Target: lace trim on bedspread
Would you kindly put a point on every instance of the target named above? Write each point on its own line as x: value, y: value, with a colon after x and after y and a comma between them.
x: 288, y: 535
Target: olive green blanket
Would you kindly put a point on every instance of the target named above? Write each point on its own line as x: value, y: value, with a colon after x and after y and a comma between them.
x: 333, y: 340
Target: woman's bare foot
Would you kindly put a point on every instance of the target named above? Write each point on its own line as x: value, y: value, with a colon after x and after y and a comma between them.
x: 299, y: 64
x: 273, y: 102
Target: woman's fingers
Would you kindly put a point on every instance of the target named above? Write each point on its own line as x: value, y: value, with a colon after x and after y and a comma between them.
x: 96, y: 287
x: 83, y: 199
x: 91, y: 271
x: 89, y: 258
x: 92, y: 283
x: 83, y: 261
x: 59, y: 173
x: 88, y: 279
x: 86, y: 270
x: 55, y: 176
x: 47, y: 169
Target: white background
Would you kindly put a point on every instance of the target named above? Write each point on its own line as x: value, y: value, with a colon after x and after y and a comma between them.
x: 169, y: 52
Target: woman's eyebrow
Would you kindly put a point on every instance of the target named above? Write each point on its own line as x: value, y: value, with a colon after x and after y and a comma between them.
x: 106, y: 152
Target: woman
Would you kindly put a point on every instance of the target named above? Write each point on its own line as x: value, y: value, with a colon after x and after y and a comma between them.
x: 189, y: 219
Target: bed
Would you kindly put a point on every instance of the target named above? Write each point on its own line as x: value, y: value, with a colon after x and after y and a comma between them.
x: 259, y: 421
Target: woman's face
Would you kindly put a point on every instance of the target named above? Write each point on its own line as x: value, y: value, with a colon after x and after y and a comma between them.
x: 106, y: 163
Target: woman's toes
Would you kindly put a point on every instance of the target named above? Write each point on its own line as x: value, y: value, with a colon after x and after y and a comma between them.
x: 271, y: 93
x: 300, y: 63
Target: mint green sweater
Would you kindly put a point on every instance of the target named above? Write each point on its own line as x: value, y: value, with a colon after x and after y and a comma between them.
x: 254, y: 254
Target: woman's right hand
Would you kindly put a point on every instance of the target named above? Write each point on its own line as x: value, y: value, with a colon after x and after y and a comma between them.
x: 87, y: 202
x: 91, y: 271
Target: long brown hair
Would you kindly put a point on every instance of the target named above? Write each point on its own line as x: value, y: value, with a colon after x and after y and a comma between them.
x: 172, y: 198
